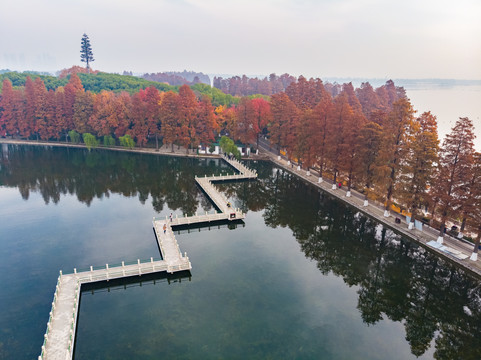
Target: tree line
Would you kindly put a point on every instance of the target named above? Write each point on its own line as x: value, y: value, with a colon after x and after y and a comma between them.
x: 369, y: 139
x: 245, y: 86
x: 178, y: 78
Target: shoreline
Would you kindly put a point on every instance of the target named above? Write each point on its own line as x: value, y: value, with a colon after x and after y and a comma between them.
x: 376, y: 211
x: 372, y: 210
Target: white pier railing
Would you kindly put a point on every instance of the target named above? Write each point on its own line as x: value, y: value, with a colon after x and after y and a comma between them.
x: 59, y: 337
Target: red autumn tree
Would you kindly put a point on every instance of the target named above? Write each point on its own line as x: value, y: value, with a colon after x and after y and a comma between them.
x: 305, y: 94
x: 83, y: 110
x: 71, y: 90
x: 151, y: 98
x: 60, y: 118
x: 470, y: 201
x: 368, y: 148
x: 120, y: 120
x: 475, y: 215
x: 261, y: 111
x: 139, y: 117
x: 47, y: 130
x: 100, y: 122
x: 352, y: 99
x: 169, y: 109
x: 418, y: 167
x: 349, y: 162
x: 187, y: 115
x: 244, y: 128
x: 305, y: 148
x: 397, y: 137
x: 322, y: 112
x: 206, y: 122
x: 11, y: 109
x: 455, y: 165
x: 26, y: 123
x: 339, y: 118
x: 40, y: 120
x: 284, y: 114
x: 368, y: 99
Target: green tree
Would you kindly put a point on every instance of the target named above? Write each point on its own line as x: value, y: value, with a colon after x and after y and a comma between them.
x: 74, y: 136
x: 86, y: 54
x: 109, y: 141
x: 127, y: 141
x: 90, y: 141
x: 228, y: 146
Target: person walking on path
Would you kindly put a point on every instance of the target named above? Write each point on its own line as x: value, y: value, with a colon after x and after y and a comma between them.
x: 170, y: 217
x: 165, y: 228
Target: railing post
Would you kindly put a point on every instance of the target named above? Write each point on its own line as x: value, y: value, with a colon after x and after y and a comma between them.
x: 91, y: 268
x: 75, y: 270
x: 123, y: 264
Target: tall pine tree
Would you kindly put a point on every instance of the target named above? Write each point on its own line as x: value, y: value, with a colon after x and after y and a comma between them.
x: 86, y: 54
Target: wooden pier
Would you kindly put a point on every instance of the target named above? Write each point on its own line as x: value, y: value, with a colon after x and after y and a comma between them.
x: 59, y: 338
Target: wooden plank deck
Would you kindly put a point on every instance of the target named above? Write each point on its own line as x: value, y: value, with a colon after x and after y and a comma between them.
x: 60, y: 336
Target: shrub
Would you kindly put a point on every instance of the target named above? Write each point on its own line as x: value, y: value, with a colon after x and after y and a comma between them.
x: 74, y: 136
x: 90, y: 140
x: 127, y: 141
x: 109, y: 141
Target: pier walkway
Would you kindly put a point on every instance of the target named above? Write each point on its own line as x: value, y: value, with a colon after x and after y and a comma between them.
x: 59, y: 338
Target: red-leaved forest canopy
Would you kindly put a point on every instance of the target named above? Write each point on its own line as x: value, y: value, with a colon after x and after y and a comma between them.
x: 370, y: 139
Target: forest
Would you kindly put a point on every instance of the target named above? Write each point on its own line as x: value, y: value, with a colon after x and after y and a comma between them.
x: 96, y: 82
x: 244, y: 86
x: 369, y: 139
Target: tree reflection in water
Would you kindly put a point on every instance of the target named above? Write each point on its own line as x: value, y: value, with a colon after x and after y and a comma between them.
x: 396, y: 279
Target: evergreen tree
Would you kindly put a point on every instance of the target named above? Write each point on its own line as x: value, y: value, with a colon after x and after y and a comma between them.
x: 86, y: 54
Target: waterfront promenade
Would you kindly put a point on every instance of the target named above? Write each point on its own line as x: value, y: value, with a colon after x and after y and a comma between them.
x: 453, y: 250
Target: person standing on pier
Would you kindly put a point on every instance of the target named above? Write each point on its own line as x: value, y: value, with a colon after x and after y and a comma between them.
x: 165, y: 228
x: 170, y: 217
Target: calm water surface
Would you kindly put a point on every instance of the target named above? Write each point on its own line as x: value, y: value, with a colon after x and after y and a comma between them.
x: 449, y: 103
x: 305, y: 277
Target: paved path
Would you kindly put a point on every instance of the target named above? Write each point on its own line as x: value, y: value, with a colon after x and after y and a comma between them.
x: 453, y: 250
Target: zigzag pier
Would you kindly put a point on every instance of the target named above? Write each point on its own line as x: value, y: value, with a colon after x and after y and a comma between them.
x: 59, y: 339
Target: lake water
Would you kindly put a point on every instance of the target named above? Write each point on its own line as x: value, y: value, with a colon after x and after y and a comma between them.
x: 304, y: 277
x: 448, y: 102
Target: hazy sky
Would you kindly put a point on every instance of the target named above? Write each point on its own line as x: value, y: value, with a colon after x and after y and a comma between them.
x: 321, y: 38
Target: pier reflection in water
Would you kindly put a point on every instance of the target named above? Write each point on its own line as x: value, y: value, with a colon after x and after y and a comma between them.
x: 306, y: 277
